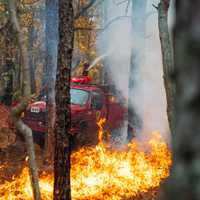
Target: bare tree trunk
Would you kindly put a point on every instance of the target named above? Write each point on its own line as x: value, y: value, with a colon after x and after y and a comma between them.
x: 49, y: 74
x: 106, y: 79
x: 7, y: 67
x: 26, y: 90
x: 16, y: 112
x: 185, y: 177
x: 63, y: 119
x: 31, y: 35
x: 168, y: 60
x: 27, y: 133
x: 137, y: 58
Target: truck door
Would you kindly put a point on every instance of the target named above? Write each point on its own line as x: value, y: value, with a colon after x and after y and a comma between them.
x: 98, y: 106
x: 98, y: 110
x: 116, y: 112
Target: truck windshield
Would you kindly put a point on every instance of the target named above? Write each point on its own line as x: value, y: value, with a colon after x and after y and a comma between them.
x: 79, y: 97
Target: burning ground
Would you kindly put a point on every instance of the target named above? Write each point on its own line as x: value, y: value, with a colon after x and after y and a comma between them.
x: 102, y: 172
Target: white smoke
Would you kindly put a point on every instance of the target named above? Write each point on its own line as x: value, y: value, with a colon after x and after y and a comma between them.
x: 117, y: 36
x: 149, y: 95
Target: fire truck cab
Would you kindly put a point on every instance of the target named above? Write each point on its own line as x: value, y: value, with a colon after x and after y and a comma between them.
x: 89, y: 103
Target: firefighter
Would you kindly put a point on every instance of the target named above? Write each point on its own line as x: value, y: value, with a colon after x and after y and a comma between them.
x: 85, y: 69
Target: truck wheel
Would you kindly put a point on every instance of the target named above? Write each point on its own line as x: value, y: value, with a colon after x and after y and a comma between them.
x: 39, y: 138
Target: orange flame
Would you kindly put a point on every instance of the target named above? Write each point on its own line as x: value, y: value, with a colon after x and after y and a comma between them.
x: 103, y: 173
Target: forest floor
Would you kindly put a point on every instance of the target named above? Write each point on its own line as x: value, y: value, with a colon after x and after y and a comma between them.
x: 13, y: 155
x: 12, y: 148
x: 13, y: 159
x: 12, y: 162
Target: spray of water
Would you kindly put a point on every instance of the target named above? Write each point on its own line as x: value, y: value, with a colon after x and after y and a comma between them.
x: 149, y: 95
x: 98, y: 59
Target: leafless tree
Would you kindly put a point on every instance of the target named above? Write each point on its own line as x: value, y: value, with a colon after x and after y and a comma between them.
x: 168, y: 60
x: 17, y: 111
x: 49, y: 74
x: 25, y: 70
x: 137, y: 57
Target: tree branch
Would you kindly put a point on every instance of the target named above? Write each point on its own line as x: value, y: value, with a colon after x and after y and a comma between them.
x: 121, y: 2
x: 156, y: 7
x: 114, y: 20
x: 105, y: 27
x: 27, y: 133
x: 85, y: 8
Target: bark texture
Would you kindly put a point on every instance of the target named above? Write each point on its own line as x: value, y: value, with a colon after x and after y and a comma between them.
x: 49, y: 73
x: 31, y: 39
x: 185, y: 176
x: 63, y: 119
x: 17, y: 111
x: 7, y: 66
x: 168, y: 60
x: 25, y: 70
x: 27, y: 133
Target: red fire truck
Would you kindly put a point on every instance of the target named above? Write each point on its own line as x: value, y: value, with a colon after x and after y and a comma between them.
x: 89, y: 103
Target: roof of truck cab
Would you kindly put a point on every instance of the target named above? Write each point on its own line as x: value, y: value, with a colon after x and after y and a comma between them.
x: 85, y: 87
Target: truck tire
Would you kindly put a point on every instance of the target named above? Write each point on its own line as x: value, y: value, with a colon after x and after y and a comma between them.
x: 39, y: 138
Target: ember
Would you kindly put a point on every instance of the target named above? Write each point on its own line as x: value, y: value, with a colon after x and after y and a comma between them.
x: 103, y: 173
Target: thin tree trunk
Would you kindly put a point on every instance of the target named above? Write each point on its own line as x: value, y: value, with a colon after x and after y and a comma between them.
x: 137, y: 59
x: 27, y: 133
x: 7, y: 65
x: 168, y: 60
x: 105, y: 71
x: 63, y: 119
x: 185, y: 176
x: 49, y: 74
x: 26, y: 81
x: 31, y: 38
x: 17, y: 111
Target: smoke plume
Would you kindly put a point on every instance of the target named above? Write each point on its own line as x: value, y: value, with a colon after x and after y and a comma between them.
x: 149, y: 94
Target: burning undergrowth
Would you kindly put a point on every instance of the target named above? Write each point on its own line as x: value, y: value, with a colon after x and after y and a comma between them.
x: 103, y: 173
